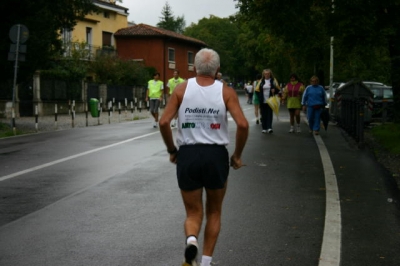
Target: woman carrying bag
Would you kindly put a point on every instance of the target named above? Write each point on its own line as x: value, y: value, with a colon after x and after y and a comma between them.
x: 269, y: 87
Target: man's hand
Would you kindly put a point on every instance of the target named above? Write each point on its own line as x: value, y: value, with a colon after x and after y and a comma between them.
x: 172, y: 158
x: 236, y: 163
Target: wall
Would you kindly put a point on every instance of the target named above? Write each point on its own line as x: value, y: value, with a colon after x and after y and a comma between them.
x: 99, y: 23
x: 154, y: 52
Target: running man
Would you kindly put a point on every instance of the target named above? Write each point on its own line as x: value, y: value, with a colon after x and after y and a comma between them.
x: 202, y: 160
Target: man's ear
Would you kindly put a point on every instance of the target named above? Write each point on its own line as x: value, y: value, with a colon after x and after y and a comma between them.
x: 217, y: 71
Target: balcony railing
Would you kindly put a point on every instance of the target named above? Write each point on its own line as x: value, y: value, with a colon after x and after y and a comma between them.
x: 86, y: 51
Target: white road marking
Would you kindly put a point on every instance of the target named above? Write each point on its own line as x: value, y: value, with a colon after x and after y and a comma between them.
x: 331, y: 242
x: 72, y: 157
x: 332, y: 238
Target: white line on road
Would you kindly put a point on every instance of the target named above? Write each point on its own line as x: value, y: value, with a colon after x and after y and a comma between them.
x: 331, y: 243
x: 73, y: 157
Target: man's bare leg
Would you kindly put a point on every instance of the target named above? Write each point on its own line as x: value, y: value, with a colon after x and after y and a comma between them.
x: 215, y: 198
x: 194, y: 211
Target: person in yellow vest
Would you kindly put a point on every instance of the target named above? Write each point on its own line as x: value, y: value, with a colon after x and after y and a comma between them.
x: 155, y: 93
x: 172, y: 82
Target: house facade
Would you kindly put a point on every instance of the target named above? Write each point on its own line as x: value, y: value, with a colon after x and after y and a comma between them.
x: 95, y: 33
x: 159, y: 48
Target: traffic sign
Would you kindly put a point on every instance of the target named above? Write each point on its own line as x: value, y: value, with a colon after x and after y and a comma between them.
x: 13, y: 57
x: 21, y: 48
x: 23, y: 33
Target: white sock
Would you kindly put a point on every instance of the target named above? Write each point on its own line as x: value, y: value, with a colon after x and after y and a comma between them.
x: 206, y: 260
x: 191, y: 239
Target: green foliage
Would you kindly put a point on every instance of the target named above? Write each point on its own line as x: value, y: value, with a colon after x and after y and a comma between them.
x: 291, y: 35
x: 369, y: 32
x: 388, y: 135
x: 7, y: 131
x: 71, y: 68
x: 43, y: 19
x: 220, y: 34
x: 109, y: 69
x: 366, y: 38
x: 169, y: 22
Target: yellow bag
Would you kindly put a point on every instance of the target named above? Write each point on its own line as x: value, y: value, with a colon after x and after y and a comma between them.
x: 274, y: 103
x: 258, y: 86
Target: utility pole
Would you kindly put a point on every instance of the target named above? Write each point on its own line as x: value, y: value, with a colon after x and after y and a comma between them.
x: 18, y: 34
x: 331, y: 67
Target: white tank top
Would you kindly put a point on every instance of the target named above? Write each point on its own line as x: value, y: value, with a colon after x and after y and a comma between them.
x: 202, y: 115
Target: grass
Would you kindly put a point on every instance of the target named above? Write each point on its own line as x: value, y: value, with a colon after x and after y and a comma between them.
x: 7, y: 131
x: 388, y: 135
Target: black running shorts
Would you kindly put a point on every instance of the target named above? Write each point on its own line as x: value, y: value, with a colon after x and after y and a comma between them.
x: 154, y: 105
x: 201, y: 166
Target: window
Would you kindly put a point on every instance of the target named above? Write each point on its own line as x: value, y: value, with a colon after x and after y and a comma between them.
x: 107, y: 39
x: 387, y: 93
x: 171, y: 55
x: 190, y: 58
x: 106, y: 14
x: 89, y: 36
x: 66, y: 35
x: 190, y: 61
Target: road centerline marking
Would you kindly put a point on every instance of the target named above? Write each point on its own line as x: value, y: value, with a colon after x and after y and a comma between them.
x: 72, y: 157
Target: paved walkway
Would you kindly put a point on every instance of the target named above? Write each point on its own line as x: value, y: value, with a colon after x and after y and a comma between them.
x: 65, y: 121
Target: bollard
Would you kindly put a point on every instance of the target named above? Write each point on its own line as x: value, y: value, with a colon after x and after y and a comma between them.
x: 119, y: 112
x: 73, y: 114
x: 36, y: 118
x: 132, y: 110
x: 13, y: 121
x: 126, y: 107
x: 55, y: 117
x: 101, y: 103
x: 98, y: 109
x: 109, y: 112
x: 87, y: 113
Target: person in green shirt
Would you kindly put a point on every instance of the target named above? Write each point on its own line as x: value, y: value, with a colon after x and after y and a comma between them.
x: 172, y: 82
x: 155, y: 93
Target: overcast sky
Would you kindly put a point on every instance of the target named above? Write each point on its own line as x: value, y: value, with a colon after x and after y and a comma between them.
x: 149, y: 11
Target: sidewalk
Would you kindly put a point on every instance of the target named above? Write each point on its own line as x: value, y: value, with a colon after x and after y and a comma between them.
x: 65, y: 121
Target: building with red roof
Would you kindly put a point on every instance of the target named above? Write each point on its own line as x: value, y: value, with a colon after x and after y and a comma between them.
x: 162, y: 49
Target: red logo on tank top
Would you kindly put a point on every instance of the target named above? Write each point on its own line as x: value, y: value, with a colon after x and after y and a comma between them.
x: 215, y: 126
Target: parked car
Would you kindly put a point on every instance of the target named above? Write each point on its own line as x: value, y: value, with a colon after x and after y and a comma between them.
x: 334, y: 86
x: 382, y: 100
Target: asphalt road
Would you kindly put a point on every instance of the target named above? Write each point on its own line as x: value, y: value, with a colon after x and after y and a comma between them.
x: 107, y: 195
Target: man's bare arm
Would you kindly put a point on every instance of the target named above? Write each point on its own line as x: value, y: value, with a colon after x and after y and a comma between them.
x: 242, y: 131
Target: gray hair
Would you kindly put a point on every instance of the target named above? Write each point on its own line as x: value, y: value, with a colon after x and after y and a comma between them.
x: 206, y: 62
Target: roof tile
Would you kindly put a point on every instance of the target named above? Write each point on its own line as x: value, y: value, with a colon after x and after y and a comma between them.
x: 147, y: 30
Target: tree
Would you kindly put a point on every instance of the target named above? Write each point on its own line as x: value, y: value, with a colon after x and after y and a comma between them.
x: 44, y: 19
x: 220, y: 34
x: 297, y: 27
x: 109, y: 69
x: 372, y: 29
x: 169, y: 22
